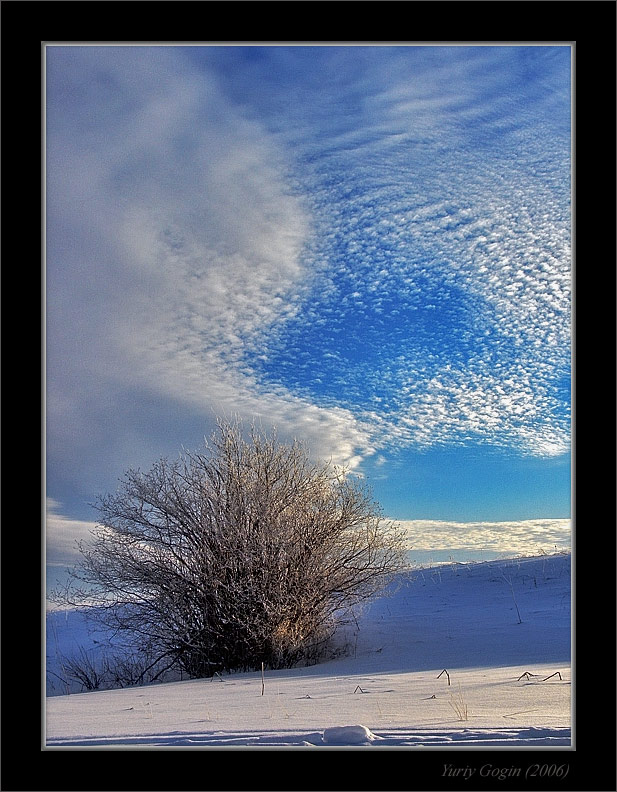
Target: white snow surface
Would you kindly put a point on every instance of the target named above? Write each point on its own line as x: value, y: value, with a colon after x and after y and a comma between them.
x: 460, y: 655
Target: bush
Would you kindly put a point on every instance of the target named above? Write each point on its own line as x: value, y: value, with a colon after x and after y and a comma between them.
x: 242, y: 554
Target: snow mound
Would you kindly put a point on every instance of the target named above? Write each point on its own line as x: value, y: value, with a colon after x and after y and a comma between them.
x: 348, y: 735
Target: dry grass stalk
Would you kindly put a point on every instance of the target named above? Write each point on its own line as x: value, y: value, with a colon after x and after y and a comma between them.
x: 459, y: 705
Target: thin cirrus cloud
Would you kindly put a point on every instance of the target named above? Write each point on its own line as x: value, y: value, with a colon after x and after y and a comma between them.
x: 366, y: 246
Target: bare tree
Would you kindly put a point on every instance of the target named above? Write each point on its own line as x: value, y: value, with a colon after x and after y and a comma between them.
x: 84, y: 669
x: 101, y: 671
x: 245, y: 553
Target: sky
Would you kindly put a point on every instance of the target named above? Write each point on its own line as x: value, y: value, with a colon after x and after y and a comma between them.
x: 367, y: 247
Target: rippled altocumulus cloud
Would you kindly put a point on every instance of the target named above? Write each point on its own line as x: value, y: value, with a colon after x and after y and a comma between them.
x: 441, y: 311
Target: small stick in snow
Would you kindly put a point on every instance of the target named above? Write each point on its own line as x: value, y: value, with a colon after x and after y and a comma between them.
x: 526, y: 674
x: 262, y: 679
x: 446, y: 673
x: 358, y: 688
x: 557, y: 673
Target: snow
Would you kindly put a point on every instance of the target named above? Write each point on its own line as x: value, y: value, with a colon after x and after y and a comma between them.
x: 348, y: 735
x: 458, y: 655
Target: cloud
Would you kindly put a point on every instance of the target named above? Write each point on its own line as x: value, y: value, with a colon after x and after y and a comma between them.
x: 173, y: 248
x: 445, y: 283
x: 365, y: 246
x: 62, y: 535
x: 524, y: 537
x: 187, y: 239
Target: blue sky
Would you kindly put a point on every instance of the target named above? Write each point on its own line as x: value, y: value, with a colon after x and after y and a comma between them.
x: 366, y: 246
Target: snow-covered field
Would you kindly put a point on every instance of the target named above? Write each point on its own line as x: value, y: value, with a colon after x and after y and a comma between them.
x: 458, y: 656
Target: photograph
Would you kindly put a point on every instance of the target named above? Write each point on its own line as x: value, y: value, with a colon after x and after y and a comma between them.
x: 308, y: 357
x: 317, y: 395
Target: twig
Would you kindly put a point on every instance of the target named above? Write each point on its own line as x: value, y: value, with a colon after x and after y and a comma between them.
x: 526, y: 674
x: 358, y: 688
x: 446, y: 673
x: 263, y: 684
